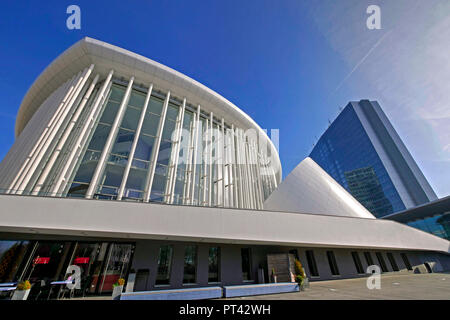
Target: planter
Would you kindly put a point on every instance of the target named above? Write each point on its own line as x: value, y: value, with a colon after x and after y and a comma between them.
x: 305, y: 284
x: 20, y: 295
x: 117, y: 292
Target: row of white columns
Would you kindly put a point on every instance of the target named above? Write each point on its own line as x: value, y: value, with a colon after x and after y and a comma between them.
x: 46, y: 139
x: 62, y: 180
x: 238, y: 181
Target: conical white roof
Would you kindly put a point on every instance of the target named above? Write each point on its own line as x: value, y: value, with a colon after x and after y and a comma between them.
x: 309, y: 189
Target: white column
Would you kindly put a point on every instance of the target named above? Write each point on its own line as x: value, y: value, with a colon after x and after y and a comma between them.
x: 230, y: 169
x: 134, y: 145
x: 234, y: 167
x: 248, y: 186
x: 155, y: 150
x: 224, y: 152
x: 248, y: 177
x: 254, y: 176
x: 109, y: 142
x: 239, y: 168
x: 55, y: 129
x: 205, y: 154
x: 50, y: 163
x: 210, y: 178
x: 188, y: 172
x: 77, y: 147
x: 257, y: 176
x: 237, y: 155
x: 194, y: 161
x: 176, y: 149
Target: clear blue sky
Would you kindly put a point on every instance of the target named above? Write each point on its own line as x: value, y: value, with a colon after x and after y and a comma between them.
x: 273, y: 59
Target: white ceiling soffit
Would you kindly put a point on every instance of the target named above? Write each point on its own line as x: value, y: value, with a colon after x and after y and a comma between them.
x: 309, y: 189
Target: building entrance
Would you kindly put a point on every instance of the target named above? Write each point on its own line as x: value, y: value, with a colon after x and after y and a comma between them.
x: 93, y: 267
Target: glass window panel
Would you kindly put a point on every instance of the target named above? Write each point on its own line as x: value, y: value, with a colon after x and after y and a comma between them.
x: 246, y: 264
x: 86, y: 170
x: 381, y: 262
x: 369, y: 259
x: 179, y: 186
x: 357, y: 262
x: 190, y: 264
x: 392, y: 261
x: 187, y: 120
x: 11, y: 255
x: 164, y: 265
x: 131, y: 118
x: 99, y: 138
x: 140, y: 164
x: 172, y: 112
x: 77, y: 190
x: 169, y: 128
x: 133, y: 194
x: 406, y: 261
x: 144, y: 147
x: 119, y: 160
x: 108, y: 190
x: 155, y: 105
x: 150, y: 125
x: 113, y: 175
x: 117, y: 93
x: 333, y: 264
x: 123, y: 143
x: 312, y: 265
x: 165, y: 151
x: 109, y: 114
x: 136, y: 179
x: 137, y: 99
x: 214, y: 264
x: 159, y: 183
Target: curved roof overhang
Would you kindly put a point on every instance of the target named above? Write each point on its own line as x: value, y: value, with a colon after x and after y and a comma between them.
x: 126, y: 64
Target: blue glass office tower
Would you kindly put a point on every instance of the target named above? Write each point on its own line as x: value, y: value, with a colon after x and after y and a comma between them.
x: 363, y: 152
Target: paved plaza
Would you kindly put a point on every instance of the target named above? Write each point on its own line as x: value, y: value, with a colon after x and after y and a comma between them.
x: 434, y: 286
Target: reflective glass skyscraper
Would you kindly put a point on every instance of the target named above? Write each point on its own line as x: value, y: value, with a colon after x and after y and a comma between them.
x: 363, y: 152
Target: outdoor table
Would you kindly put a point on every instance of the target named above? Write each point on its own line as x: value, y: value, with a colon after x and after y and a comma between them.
x: 8, y: 284
x: 2, y: 289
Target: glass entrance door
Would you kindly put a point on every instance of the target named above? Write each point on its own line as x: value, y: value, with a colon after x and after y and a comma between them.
x: 100, y: 264
x: 117, y: 265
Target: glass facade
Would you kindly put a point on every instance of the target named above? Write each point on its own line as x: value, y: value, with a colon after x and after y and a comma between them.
x: 129, y: 144
x: 439, y: 225
x: 346, y: 153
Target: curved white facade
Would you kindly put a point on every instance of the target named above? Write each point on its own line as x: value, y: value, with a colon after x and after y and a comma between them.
x: 309, y: 189
x: 103, y: 122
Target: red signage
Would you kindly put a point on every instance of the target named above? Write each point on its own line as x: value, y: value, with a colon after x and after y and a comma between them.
x: 81, y: 260
x: 41, y: 260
